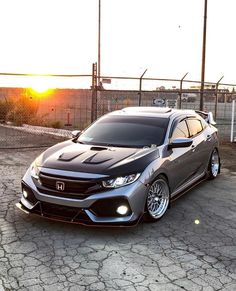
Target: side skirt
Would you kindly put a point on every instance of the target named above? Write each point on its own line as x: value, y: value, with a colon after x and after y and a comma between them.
x: 188, y: 186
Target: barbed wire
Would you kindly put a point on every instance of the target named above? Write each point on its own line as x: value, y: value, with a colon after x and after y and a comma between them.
x: 112, y: 77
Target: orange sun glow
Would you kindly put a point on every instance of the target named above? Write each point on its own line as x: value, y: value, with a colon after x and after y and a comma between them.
x: 40, y: 85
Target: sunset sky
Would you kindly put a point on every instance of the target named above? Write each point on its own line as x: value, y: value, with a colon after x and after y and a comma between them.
x: 163, y: 36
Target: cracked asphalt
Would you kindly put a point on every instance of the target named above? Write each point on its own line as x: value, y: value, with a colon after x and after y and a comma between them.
x: 192, y: 248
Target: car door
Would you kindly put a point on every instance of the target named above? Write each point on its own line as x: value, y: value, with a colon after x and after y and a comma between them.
x: 200, y: 146
x: 180, y: 168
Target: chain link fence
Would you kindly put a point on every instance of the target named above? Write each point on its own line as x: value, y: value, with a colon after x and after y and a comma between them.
x: 29, y: 120
x: 32, y: 119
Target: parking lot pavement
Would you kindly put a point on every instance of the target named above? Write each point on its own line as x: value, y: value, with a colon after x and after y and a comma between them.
x: 19, y: 137
x: 192, y: 248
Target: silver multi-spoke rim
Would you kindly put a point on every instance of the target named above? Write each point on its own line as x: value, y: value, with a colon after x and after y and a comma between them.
x: 158, y: 198
x: 215, y: 163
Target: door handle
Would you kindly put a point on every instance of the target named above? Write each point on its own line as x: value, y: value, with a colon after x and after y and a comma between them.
x: 208, y: 137
x: 193, y: 148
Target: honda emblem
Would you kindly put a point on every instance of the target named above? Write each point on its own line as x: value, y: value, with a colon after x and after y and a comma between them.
x: 60, y: 186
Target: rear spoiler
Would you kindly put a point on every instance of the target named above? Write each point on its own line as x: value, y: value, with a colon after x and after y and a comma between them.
x: 208, y: 116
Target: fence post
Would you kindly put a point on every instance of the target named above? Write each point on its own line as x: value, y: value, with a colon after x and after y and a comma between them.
x: 94, y: 93
x: 232, y: 122
x: 180, y: 90
x: 216, y: 94
x: 140, y: 88
x: 203, y: 57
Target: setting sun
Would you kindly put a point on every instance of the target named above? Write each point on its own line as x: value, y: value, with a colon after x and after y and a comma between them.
x: 40, y: 85
x: 40, y: 88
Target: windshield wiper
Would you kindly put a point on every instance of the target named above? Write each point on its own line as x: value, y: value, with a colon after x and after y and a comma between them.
x: 119, y: 145
x: 81, y: 142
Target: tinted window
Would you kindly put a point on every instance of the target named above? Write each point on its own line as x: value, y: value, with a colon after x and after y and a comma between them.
x: 195, y: 126
x: 181, y: 130
x: 126, y: 131
x: 204, y: 124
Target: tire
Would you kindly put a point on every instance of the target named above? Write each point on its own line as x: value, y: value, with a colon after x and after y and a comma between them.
x: 214, y: 165
x: 158, y: 199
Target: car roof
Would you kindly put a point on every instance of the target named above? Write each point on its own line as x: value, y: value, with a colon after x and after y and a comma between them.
x: 163, y: 112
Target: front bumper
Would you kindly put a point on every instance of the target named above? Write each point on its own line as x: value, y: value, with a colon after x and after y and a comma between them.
x: 97, y: 209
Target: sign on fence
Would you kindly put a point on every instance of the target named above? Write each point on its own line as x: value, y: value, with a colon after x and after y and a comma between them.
x: 106, y: 81
x: 159, y: 102
x: 172, y: 103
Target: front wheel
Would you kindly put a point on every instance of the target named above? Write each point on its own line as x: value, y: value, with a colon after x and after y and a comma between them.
x: 214, y: 165
x: 158, y: 199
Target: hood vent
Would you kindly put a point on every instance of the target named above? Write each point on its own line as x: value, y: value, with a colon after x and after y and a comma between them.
x: 98, y: 149
x: 69, y: 156
x: 96, y: 159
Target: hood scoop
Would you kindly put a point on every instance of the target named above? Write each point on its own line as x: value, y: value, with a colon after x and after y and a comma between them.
x: 98, y: 149
x: 69, y: 156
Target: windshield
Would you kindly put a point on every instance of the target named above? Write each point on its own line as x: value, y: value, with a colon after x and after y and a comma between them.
x: 127, y: 131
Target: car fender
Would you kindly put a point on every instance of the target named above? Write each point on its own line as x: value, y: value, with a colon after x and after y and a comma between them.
x: 155, y: 168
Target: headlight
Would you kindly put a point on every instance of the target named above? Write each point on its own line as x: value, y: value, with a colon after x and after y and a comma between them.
x: 120, y: 181
x: 34, y: 170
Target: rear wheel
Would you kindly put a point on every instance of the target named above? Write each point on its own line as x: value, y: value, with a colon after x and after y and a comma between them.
x: 214, y: 165
x: 158, y: 199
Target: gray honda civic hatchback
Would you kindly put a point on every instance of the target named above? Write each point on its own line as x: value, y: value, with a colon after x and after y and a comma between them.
x: 128, y: 165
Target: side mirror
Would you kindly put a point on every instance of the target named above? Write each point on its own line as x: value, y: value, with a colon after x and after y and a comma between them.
x: 180, y: 143
x: 75, y: 133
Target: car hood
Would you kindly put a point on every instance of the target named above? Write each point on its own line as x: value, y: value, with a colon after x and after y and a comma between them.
x: 112, y: 161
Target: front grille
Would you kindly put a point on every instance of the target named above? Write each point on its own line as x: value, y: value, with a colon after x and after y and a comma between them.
x: 59, y: 212
x: 71, y: 185
x: 74, y: 188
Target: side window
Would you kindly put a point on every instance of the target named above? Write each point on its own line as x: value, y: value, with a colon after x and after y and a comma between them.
x: 195, y: 126
x: 204, y: 124
x: 181, y: 130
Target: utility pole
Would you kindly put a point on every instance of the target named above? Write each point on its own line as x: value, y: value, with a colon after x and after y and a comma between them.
x: 99, y: 41
x: 94, y: 93
x: 203, y: 57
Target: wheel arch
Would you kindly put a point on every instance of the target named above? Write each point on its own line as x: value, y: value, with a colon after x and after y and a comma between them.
x: 208, y: 170
x: 216, y: 147
x: 164, y: 177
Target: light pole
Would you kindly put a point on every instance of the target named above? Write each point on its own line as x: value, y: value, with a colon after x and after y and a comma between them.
x: 203, y: 55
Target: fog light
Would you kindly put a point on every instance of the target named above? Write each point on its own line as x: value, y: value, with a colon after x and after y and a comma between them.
x: 122, y: 210
x: 25, y: 193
